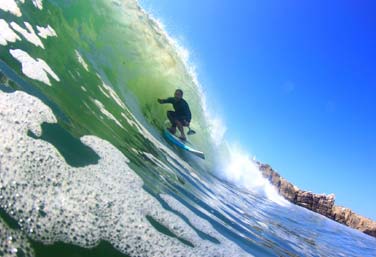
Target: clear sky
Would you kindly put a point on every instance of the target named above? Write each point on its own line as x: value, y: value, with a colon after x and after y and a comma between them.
x: 295, y: 82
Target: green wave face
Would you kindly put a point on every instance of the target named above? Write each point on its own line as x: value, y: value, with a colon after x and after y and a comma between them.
x: 84, y: 168
x: 113, y: 43
x: 79, y: 82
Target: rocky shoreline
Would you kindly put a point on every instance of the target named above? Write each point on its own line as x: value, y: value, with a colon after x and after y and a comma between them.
x: 320, y: 203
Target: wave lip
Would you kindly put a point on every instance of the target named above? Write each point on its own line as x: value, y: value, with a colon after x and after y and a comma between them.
x: 241, y: 170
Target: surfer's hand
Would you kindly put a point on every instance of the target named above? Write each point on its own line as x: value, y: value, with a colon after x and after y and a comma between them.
x: 159, y: 100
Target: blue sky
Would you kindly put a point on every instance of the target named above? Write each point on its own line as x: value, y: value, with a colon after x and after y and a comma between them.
x: 295, y: 82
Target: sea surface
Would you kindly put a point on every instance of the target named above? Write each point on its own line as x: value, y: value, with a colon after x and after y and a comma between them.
x: 84, y: 167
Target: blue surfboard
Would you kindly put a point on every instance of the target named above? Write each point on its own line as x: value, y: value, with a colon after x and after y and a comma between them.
x: 182, y: 144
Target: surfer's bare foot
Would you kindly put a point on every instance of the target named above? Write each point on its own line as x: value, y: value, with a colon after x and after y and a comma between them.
x: 183, y: 138
x: 172, y: 130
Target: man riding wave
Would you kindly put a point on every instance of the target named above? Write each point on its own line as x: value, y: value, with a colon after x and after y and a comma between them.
x: 182, y: 116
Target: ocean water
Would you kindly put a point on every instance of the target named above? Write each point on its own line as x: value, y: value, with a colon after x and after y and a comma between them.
x: 85, y: 170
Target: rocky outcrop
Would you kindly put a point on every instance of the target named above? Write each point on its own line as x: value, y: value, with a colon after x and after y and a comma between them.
x: 320, y: 203
x: 346, y: 216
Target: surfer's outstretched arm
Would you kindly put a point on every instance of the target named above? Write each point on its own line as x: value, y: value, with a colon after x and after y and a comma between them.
x: 165, y: 101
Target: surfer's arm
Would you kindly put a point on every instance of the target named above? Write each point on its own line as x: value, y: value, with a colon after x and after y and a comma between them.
x: 166, y: 101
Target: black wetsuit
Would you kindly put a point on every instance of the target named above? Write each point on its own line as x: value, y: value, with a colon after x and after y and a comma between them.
x: 182, y: 112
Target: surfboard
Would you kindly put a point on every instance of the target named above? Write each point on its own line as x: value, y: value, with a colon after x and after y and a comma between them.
x: 185, y: 145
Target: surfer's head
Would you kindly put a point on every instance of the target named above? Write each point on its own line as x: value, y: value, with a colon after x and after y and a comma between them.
x: 178, y: 94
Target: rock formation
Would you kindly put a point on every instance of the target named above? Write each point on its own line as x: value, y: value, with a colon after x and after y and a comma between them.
x: 320, y: 203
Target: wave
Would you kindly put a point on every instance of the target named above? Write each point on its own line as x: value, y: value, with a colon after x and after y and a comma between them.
x: 83, y: 159
x: 114, y: 54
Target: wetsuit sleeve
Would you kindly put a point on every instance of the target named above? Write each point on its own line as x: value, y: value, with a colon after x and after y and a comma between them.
x: 169, y: 100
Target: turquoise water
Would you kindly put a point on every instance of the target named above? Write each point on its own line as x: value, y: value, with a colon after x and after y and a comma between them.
x: 85, y: 170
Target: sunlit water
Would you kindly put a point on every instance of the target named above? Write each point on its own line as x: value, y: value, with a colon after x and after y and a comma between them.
x: 84, y: 169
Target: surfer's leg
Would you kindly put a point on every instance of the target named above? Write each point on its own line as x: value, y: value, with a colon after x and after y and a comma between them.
x: 172, y: 118
x: 181, y: 129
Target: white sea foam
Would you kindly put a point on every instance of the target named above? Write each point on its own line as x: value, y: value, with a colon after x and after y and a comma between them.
x: 28, y: 33
x: 46, y: 32
x: 82, y: 206
x: 103, y: 91
x: 114, y: 96
x: 110, y: 93
x: 81, y: 60
x: 34, y: 68
x: 243, y: 172
x: 130, y: 121
x: 157, y: 162
x: 10, y: 6
x: 107, y: 113
x: 38, y: 4
x: 13, y: 243
x: 6, y: 33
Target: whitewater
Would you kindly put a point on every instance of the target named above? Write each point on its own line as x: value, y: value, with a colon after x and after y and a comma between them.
x: 84, y: 167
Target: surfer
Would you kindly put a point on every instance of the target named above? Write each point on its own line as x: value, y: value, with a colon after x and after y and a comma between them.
x: 181, y: 117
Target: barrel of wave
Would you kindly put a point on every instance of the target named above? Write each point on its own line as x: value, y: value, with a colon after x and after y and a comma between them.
x: 151, y: 65
x: 156, y: 113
